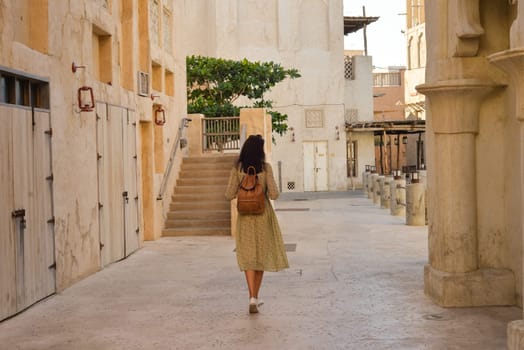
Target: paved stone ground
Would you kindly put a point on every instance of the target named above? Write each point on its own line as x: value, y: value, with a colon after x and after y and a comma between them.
x: 355, y: 282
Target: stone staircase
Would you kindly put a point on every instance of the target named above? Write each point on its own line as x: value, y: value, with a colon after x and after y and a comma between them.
x: 198, y: 206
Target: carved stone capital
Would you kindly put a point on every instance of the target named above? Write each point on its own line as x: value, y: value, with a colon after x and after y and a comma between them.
x: 512, y: 62
x: 455, y: 104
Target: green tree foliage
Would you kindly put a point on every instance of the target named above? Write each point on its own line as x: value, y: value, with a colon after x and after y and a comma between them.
x: 214, y: 84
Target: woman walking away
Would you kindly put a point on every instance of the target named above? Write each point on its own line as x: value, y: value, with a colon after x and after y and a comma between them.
x: 258, y: 239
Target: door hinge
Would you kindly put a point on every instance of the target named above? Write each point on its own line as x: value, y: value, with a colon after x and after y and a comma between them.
x: 101, y: 245
x: 49, y: 178
x: 49, y: 132
x: 52, y: 266
x: 51, y: 221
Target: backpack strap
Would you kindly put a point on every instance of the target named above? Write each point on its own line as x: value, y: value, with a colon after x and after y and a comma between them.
x: 254, y: 174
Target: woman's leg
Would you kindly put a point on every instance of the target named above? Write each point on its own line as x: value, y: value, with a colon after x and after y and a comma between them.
x: 251, y: 282
x: 258, y: 282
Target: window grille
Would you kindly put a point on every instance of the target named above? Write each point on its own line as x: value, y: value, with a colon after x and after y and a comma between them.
x: 386, y: 79
x: 348, y: 68
x: 143, y: 84
x: 21, y: 90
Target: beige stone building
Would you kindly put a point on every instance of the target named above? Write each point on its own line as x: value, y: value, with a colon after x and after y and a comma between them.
x: 475, y: 148
x: 85, y: 89
x: 415, y: 73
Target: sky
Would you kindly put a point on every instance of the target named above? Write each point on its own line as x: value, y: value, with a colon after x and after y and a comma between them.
x: 386, y: 42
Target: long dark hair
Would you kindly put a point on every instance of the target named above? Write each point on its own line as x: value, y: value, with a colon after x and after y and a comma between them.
x: 252, y: 154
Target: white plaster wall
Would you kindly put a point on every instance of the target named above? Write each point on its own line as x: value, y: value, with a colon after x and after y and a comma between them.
x: 307, y: 35
x: 358, y: 93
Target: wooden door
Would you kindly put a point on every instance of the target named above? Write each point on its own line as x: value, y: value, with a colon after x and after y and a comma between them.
x: 131, y: 226
x: 117, y: 188
x: 31, y: 221
x: 39, y: 246
x: 7, y: 226
x: 116, y: 205
x: 315, y: 166
x: 23, y: 187
x: 110, y: 185
x: 104, y: 217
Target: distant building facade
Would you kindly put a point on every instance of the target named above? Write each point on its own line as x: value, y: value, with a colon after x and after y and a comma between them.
x: 307, y: 35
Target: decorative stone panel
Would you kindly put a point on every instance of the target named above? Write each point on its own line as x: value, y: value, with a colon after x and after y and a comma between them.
x: 314, y: 119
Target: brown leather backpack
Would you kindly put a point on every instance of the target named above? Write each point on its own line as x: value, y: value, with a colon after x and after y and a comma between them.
x: 251, y: 199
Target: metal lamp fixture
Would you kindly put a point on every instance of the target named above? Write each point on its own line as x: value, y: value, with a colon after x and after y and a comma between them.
x: 160, y: 116
x: 86, y: 99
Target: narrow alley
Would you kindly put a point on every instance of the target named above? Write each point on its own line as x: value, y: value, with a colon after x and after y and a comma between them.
x: 355, y: 282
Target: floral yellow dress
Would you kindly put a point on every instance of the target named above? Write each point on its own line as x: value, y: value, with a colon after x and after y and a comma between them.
x: 258, y: 238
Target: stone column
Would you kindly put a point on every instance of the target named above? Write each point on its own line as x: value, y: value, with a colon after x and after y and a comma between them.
x: 385, y: 191
x: 512, y: 62
x: 453, y: 277
x: 415, y: 204
x: 376, y: 189
x: 371, y: 185
x: 397, y: 190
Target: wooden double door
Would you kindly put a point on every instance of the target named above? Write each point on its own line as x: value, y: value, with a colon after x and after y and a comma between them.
x: 117, y: 182
x: 27, y: 256
x: 315, y: 166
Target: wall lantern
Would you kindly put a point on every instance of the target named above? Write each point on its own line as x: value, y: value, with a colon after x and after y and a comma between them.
x: 292, y: 133
x: 397, y: 174
x: 368, y: 168
x: 415, y: 178
x: 160, y: 116
x: 373, y: 169
x: 86, y: 99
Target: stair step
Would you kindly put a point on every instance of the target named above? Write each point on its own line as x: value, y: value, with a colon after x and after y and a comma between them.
x: 210, y: 189
x: 202, y: 196
x: 209, y: 205
x: 203, y: 223
x: 198, y: 206
x: 211, y: 159
x: 197, y: 214
x: 196, y: 231
x: 188, y: 174
x: 202, y: 181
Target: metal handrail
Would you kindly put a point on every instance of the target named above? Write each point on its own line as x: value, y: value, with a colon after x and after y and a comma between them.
x: 184, y: 123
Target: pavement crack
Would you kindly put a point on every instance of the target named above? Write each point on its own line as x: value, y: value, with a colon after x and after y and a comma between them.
x: 332, y: 267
